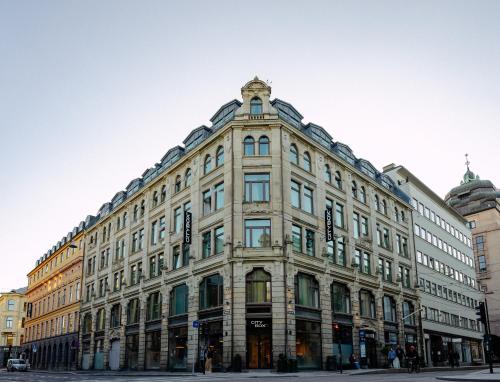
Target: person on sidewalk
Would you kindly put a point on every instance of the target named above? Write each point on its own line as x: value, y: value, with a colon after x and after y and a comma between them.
x: 451, y: 358
x: 400, y: 356
x: 208, y: 362
x: 456, y: 358
x: 391, y: 355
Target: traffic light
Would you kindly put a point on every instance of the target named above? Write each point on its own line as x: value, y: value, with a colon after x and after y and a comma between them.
x: 481, y: 312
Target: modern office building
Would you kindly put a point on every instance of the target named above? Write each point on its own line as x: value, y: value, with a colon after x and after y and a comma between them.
x: 446, y: 273
x: 223, y: 245
x: 53, y: 305
x: 12, y: 315
x: 479, y: 202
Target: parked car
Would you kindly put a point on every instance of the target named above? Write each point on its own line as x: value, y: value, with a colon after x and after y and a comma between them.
x: 15, y: 364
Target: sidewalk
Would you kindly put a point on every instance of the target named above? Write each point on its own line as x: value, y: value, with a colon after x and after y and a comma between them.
x: 482, y: 375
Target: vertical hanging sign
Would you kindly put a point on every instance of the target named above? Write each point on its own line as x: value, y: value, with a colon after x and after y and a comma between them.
x: 187, y: 227
x: 329, y: 224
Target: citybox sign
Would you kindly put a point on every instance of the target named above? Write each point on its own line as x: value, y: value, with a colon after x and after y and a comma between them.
x: 187, y: 227
x: 259, y: 324
x: 329, y: 224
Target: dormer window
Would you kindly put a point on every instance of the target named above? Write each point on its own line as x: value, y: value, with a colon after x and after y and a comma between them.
x: 256, y: 106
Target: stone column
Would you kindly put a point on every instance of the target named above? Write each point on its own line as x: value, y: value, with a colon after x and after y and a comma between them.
x: 238, y: 314
x: 326, y: 317
x: 92, y: 339
x: 107, y: 309
x: 165, y: 292
x: 142, y: 332
x: 123, y: 338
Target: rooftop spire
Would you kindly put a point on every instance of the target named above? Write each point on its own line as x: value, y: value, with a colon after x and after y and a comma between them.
x: 469, y: 175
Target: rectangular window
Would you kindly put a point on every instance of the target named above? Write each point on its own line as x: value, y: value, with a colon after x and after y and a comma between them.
x: 310, y: 242
x: 141, y: 239
x: 297, y: 238
x: 364, y: 226
x: 339, y: 215
x: 388, y: 271
x: 176, y: 257
x: 219, y: 196
x: 177, y: 220
x: 366, y: 268
x: 258, y: 233
x: 219, y: 240
x: 340, y: 258
x: 161, y: 228
x: 308, y: 200
x: 355, y: 219
x: 206, y: 244
x: 207, y: 202
x: 295, y: 194
x: 154, y: 233
x: 257, y: 187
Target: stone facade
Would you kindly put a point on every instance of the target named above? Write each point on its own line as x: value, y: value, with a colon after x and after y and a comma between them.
x: 479, y: 202
x: 258, y: 274
x: 53, y: 305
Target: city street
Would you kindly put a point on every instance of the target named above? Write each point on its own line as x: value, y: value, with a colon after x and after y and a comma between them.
x: 262, y: 377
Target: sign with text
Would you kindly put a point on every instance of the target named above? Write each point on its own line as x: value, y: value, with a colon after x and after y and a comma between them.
x: 329, y: 225
x: 188, y: 217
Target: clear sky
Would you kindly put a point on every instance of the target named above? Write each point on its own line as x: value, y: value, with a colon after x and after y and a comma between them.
x: 94, y: 92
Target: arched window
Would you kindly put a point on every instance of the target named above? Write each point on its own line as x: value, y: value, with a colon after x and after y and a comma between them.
x: 155, y: 198
x: 403, y: 216
x: 100, y: 319
x: 396, y: 214
x: 338, y: 180
x: 211, y: 292
x: 294, y: 154
x: 256, y: 106
x: 263, y: 145
x: 354, y: 190
x: 249, y: 146
x: 124, y: 220
x: 143, y: 207
x: 384, y: 207
x: 187, y: 178
x: 87, y: 323
x: 115, y: 320
x: 118, y: 223
x: 219, y: 157
x: 306, y: 291
x: 178, y: 183
x: 362, y: 194
x: 366, y: 304
x: 327, y: 174
x: 377, y: 203
x: 136, y: 212
x: 341, y: 299
x: 163, y: 194
x: 207, y: 165
x: 307, y: 161
x: 258, y: 287
x: 133, y: 311
x: 389, y: 309
x: 179, y: 300
x: 153, y: 306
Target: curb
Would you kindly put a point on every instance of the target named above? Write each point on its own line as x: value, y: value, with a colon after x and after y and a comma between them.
x: 465, y: 379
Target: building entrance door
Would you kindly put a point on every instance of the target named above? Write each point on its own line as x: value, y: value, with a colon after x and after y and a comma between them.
x: 259, y: 335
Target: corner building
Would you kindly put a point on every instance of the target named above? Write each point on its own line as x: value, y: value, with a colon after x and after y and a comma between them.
x: 53, y: 305
x: 258, y: 276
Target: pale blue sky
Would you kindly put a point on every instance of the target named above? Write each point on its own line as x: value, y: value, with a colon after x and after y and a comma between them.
x: 94, y: 92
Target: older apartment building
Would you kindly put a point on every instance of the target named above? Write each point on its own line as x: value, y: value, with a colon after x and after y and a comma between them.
x: 12, y: 316
x: 479, y: 202
x: 446, y: 272
x: 53, y: 305
x: 227, y: 245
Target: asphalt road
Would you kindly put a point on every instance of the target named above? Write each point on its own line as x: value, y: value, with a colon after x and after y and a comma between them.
x: 245, y: 377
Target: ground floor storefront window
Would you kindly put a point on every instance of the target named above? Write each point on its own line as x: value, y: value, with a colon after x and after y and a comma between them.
x: 99, y: 354
x: 212, y: 340
x: 259, y: 340
x: 153, y: 346
x: 342, y: 343
x: 132, y: 351
x: 476, y: 350
x: 177, y: 348
x: 308, y: 344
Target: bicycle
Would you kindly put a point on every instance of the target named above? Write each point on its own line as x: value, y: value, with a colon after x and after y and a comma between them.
x: 413, y: 365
